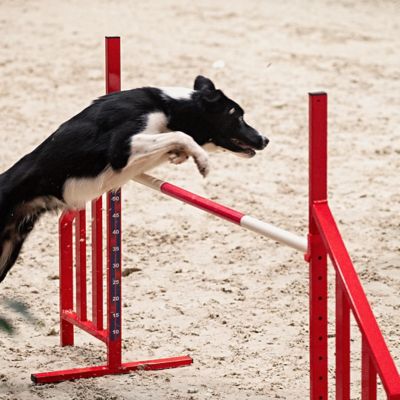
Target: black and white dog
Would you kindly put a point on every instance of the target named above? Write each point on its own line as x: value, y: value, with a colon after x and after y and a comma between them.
x: 117, y: 137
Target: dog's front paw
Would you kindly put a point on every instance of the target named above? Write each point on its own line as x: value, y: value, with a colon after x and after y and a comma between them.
x: 201, y: 160
x: 177, y: 157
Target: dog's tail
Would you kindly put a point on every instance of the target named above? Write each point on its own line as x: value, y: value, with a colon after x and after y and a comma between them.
x: 16, y: 222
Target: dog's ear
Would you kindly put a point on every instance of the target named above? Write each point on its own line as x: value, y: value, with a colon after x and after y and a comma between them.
x: 203, y: 83
x: 210, y: 100
x: 212, y: 96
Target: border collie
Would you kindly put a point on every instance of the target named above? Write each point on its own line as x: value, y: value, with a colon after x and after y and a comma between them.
x: 117, y: 137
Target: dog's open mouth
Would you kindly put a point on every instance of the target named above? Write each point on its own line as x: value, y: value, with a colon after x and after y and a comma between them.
x: 244, y: 147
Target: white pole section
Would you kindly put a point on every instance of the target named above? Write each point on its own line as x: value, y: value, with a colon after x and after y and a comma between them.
x: 275, y: 233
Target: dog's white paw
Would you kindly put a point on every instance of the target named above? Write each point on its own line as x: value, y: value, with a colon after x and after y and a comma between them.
x: 177, y: 157
x: 201, y: 160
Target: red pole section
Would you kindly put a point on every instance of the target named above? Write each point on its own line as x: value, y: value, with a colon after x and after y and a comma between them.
x: 351, y: 286
x: 317, y: 255
x: 80, y: 246
x: 97, y: 263
x: 342, y: 346
x: 113, y: 84
x: 194, y: 200
x: 368, y: 374
x: 202, y: 203
x: 66, y: 277
x: 113, y: 64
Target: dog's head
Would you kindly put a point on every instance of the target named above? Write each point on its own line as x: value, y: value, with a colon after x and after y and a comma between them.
x: 225, y: 122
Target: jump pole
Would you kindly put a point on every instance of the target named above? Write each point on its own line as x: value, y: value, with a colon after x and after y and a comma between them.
x: 229, y: 214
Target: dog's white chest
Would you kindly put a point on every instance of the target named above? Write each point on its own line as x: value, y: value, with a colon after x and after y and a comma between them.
x: 156, y: 123
x: 78, y: 191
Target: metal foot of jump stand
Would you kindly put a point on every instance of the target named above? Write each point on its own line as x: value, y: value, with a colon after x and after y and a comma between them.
x: 124, y: 368
x: 112, y: 336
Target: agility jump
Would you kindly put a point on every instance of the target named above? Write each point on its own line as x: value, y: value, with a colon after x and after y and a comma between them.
x: 323, y: 239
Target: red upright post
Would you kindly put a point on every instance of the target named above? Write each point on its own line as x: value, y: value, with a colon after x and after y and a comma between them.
x: 66, y: 277
x: 317, y: 255
x: 368, y: 373
x: 97, y: 263
x: 80, y: 272
x: 113, y: 84
x: 342, y: 344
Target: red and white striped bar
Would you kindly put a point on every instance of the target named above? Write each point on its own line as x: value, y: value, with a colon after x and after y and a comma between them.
x: 229, y: 214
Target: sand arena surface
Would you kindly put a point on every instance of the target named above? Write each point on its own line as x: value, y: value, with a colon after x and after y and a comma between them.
x: 234, y: 301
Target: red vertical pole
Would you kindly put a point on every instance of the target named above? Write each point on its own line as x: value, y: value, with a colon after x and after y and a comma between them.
x: 97, y: 263
x: 80, y: 280
x: 368, y: 373
x: 113, y: 84
x: 66, y: 278
x: 342, y: 344
x: 317, y: 255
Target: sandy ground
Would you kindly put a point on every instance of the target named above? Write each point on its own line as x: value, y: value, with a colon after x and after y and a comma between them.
x: 234, y: 301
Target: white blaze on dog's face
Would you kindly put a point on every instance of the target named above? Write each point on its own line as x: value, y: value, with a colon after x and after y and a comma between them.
x: 225, y: 120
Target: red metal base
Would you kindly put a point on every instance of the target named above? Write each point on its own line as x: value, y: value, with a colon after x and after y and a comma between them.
x: 125, y: 368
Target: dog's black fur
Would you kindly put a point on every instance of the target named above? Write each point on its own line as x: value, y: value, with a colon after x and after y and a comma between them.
x: 100, y: 138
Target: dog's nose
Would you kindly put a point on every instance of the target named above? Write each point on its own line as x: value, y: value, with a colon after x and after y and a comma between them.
x: 264, y: 142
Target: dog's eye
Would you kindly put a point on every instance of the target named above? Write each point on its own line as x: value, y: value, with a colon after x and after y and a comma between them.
x: 232, y: 111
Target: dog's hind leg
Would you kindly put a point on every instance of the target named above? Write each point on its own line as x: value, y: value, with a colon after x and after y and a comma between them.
x: 14, y: 235
x: 11, y: 243
x: 10, y: 249
x: 148, y: 150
